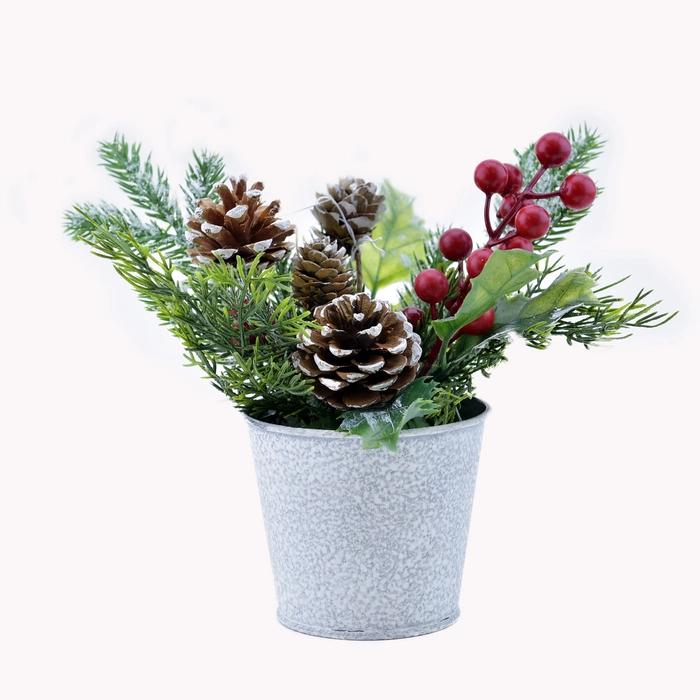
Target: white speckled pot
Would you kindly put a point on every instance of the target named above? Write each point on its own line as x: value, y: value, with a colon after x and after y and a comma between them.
x: 367, y: 544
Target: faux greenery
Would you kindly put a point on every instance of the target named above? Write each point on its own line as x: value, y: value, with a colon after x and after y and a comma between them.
x: 240, y: 324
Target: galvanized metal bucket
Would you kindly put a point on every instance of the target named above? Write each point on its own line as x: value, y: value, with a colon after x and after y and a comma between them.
x: 367, y: 544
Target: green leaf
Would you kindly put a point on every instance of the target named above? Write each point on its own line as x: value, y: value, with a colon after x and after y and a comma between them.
x: 382, y: 426
x: 397, y: 243
x: 569, y: 289
x: 533, y: 318
x: 506, y: 272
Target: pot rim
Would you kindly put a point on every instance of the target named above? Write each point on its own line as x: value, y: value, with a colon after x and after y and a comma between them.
x: 334, y: 434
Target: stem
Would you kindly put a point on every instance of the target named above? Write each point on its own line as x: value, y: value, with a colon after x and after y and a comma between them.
x: 527, y: 193
x: 358, y: 270
x: 534, y: 180
x: 505, y: 238
x: 464, y: 287
x: 432, y: 356
x: 493, y: 238
x: 542, y: 195
x: 487, y: 216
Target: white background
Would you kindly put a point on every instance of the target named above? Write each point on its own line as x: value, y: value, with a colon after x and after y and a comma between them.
x: 133, y: 562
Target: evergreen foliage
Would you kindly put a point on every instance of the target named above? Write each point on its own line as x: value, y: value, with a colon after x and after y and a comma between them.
x: 240, y: 324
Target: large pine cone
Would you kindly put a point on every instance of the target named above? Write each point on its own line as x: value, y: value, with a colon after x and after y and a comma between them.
x: 241, y: 226
x: 321, y: 273
x: 349, y: 211
x: 363, y: 355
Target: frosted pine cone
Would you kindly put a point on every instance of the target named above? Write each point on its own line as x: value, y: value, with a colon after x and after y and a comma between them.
x: 241, y: 226
x: 321, y: 273
x: 363, y: 355
x: 349, y: 211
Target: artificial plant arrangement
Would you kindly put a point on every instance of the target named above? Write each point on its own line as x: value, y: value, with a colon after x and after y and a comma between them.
x: 298, y: 330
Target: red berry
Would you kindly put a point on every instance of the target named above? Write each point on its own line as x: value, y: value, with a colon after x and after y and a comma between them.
x: 578, y: 191
x: 517, y: 242
x: 477, y: 260
x: 553, y: 149
x: 506, y: 206
x: 413, y: 315
x: 532, y: 221
x: 455, y: 244
x: 515, y: 179
x: 480, y: 325
x: 491, y: 176
x: 431, y: 286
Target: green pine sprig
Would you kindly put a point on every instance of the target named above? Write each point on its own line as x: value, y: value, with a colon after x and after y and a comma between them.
x: 82, y: 222
x: 202, y: 176
x: 612, y: 318
x: 237, y: 324
x: 147, y: 188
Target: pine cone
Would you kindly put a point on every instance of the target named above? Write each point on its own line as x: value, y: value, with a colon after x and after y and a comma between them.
x: 241, y: 226
x: 363, y: 355
x: 321, y: 273
x: 351, y: 203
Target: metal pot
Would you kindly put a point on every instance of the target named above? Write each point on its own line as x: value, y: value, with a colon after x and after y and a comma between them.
x: 367, y: 544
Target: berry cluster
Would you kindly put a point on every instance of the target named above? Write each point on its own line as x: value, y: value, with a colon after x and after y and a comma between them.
x: 521, y: 221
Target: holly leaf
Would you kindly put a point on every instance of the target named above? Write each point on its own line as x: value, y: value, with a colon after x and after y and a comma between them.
x: 397, y: 243
x: 533, y: 317
x: 381, y: 427
x: 505, y: 272
x: 569, y: 289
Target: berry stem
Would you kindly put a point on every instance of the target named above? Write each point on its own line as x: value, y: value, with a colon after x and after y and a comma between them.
x: 463, y: 291
x: 433, y: 312
x: 432, y: 356
x: 541, y: 195
x: 498, y: 241
x: 527, y: 193
x: 487, y: 216
x: 534, y: 180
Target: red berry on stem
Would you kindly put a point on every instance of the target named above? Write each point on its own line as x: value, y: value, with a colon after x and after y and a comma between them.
x: 532, y: 221
x: 517, y: 242
x: 480, y: 325
x: 477, y: 260
x: 506, y: 206
x: 413, y: 315
x: 491, y: 176
x: 455, y: 244
x: 431, y: 286
x: 515, y: 179
x: 578, y: 191
x: 553, y: 149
